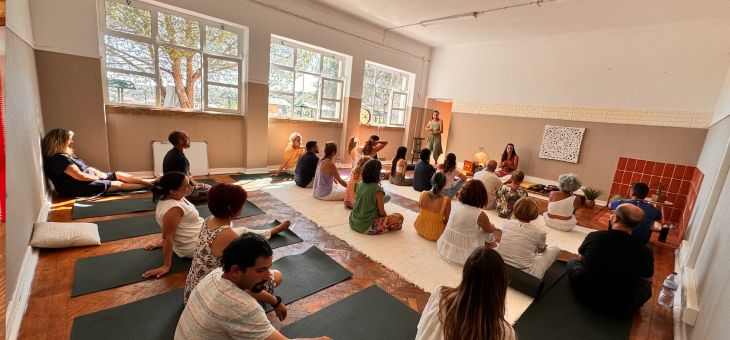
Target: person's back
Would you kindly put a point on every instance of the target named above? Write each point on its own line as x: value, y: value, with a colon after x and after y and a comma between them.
x: 434, y: 209
x: 492, y: 184
x: 305, y: 169
x: 642, y: 233
x: 175, y: 160
x: 422, y: 176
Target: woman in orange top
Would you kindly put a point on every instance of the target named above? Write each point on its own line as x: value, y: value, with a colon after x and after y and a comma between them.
x: 291, y: 155
x: 355, y: 177
x: 435, y: 209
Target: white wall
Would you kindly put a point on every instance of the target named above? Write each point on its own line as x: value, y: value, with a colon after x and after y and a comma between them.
x: 665, y: 69
x: 18, y: 14
x: 722, y: 109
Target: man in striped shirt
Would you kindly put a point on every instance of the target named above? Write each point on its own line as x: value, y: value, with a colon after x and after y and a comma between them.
x: 219, y: 307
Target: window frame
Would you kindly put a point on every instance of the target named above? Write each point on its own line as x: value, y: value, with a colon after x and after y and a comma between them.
x: 204, y: 22
x: 342, y: 80
x: 406, y: 92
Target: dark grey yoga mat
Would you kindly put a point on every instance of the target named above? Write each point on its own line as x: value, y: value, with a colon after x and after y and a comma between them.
x: 247, y: 178
x: 306, y: 274
x: 153, y: 318
x: 249, y: 209
x: 559, y: 315
x: 208, y: 181
x: 371, y: 314
x: 128, y: 227
x: 128, y: 192
x: 281, y: 239
x: 533, y: 286
x: 94, y: 274
x: 88, y: 209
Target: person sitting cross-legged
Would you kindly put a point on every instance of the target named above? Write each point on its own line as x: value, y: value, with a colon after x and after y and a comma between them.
x: 293, y: 151
x: 639, y: 191
x: 434, y: 210
x: 368, y: 216
x: 355, y: 177
x: 523, y: 245
x: 473, y: 310
x: 398, y: 169
x: 562, y: 204
x: 508, y: 194
x: 449, y: 169
x: 491, y: 182
x: 614, y: 270
x: 307, y: 166
x: 326, y: 177
x: 175, y: 160
x: 423, y: 172
x: 220, y: 307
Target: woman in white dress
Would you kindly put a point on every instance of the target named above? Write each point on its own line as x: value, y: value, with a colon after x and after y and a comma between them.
x: 475, y: 309
x: 468, y: 226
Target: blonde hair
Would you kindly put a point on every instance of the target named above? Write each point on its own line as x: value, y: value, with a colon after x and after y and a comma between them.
x: 353, y: 144
x: 526, y: 209
x: 294, y: 136
x: 56, y: 141
x: 358, y: 167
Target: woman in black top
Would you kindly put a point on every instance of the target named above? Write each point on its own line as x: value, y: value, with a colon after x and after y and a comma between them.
x: 71, y: 177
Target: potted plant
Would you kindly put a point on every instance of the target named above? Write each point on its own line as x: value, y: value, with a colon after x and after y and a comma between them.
x: 659, y: 196
x: 591, y: 194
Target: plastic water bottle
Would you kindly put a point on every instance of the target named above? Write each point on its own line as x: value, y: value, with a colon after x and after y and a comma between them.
x: 666, y: 297
x: 337, y: 159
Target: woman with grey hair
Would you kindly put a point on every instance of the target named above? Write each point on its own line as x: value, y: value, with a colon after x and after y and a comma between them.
x: 563, y: 204
x: 435, y: 209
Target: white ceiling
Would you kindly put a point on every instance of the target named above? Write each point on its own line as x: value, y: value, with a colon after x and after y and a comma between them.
x: 578, y: 16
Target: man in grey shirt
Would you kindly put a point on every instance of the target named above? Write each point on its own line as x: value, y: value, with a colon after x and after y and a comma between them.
x: 491, y: 182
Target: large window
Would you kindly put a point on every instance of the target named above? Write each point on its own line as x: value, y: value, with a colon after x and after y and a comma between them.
x: 157, y: 57
x: 304, y: 82
x: 385, y: 95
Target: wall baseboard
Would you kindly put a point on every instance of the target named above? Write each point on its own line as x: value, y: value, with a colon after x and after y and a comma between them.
x: 223, y: 171
x: 259, y: 170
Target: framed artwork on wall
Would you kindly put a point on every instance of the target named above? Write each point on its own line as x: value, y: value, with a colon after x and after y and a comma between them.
x: 561, y: 143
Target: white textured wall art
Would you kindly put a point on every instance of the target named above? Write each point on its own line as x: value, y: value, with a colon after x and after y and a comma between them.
x: 561, y: 143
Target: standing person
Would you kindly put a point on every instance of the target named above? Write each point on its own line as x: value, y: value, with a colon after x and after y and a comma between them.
x: 448, y: 168
x: 354, y: 150
x: 368, y: 215
x: 562, y: 204
x: 220, y: 308
x: 175, y: 160
x: 398, y: 169
x: 435, y: 128
x: 508, y: 194
x: 509, y: 161
x: 326, y: 177
x: 434, y: 210
x: 307, y: 166
x: 468, y: 227
x: 615, y: 264
x: 642, y: 232
x: 475, y: 309
x: 291, y: 155
x: 71, y: 177
x: 491, y: 182
x: 423, y: 172
x: 521, y: 240
x: 355, y: 177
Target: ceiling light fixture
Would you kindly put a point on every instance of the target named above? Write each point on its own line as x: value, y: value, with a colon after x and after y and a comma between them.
x: 445, y: 20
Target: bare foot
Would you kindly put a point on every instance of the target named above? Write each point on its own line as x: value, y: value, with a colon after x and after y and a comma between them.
x: 281, y: 227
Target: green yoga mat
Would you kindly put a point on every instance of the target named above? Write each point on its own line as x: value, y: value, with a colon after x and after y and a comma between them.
x: 533, y: 286
x: 94, y: 274
x: 306, y: 274
x: 559, y: 315
x: 128, y: 192
x: 247, y: 178
x: 281, y: 239
x: 89, y: 209
x: 249, y: 209
x: 366, y: 315
x: 153, y: 318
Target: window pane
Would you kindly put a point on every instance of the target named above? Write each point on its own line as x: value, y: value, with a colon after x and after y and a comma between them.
x: 397, y: 117
x: 221, y: 41
x: 368, y: 94
x: 384, y: 79
x: 280, y: 104
x: 330, y: 110
x: 399, y: 100
x: 281, y: 80
x: 281, y: 55
x: 176, y: 90
x: 221, y: 97
x: 128, y: 19
x: 369, y: 75
x: 331, y: 67
x: 331, y: 89
x: 400, y: 82
x: 179, y: 31
x: 131, y: 89
x: 129, y: 55
x: 307, y: 61
x: 304, y: 112
x: 306, y: 92
x: 381, y: 101
x: 223, y: 71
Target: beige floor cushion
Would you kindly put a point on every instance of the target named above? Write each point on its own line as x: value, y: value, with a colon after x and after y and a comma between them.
x: 64, y: 235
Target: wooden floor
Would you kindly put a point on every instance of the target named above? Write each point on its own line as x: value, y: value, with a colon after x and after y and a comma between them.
x: 51, y: 310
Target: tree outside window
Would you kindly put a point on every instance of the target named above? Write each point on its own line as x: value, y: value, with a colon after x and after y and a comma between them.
x: 385, y: 95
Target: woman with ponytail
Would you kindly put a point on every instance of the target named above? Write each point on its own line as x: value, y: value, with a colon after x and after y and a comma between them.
x: 435, y: 209
x: 180, y: 221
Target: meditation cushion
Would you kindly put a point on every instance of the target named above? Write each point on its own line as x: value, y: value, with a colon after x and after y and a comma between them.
x: 64, y: 235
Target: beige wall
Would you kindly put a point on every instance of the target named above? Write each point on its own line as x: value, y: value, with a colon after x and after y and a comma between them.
x: 131, y: 137
x: 72, y: 99
x: 393, y: 136
x: 279, y: 138
x: 257, y: 121
x: 602, y: 145
x: 24, y: 129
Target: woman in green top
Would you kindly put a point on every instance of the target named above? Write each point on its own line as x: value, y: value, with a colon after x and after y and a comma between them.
x: 368, y: 216
x: 435, y: 128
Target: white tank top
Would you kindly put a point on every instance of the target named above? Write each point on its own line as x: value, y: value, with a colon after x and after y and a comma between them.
x: 563, y: 207
x: 186, y: 236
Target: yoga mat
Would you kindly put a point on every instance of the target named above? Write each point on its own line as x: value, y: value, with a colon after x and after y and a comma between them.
x: 281, y: 239
x: 247, y: 178
x: 533, y: 286
x: 88, y: 209
x: 368, y: 314
x: 208, y: 181
x: 128, y: 192
x: 128, y: 227
x: 559, y: 315
x: 249, y: 209
x: 306, y: 274
x: 94, y: 274
x: 151, y: 318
